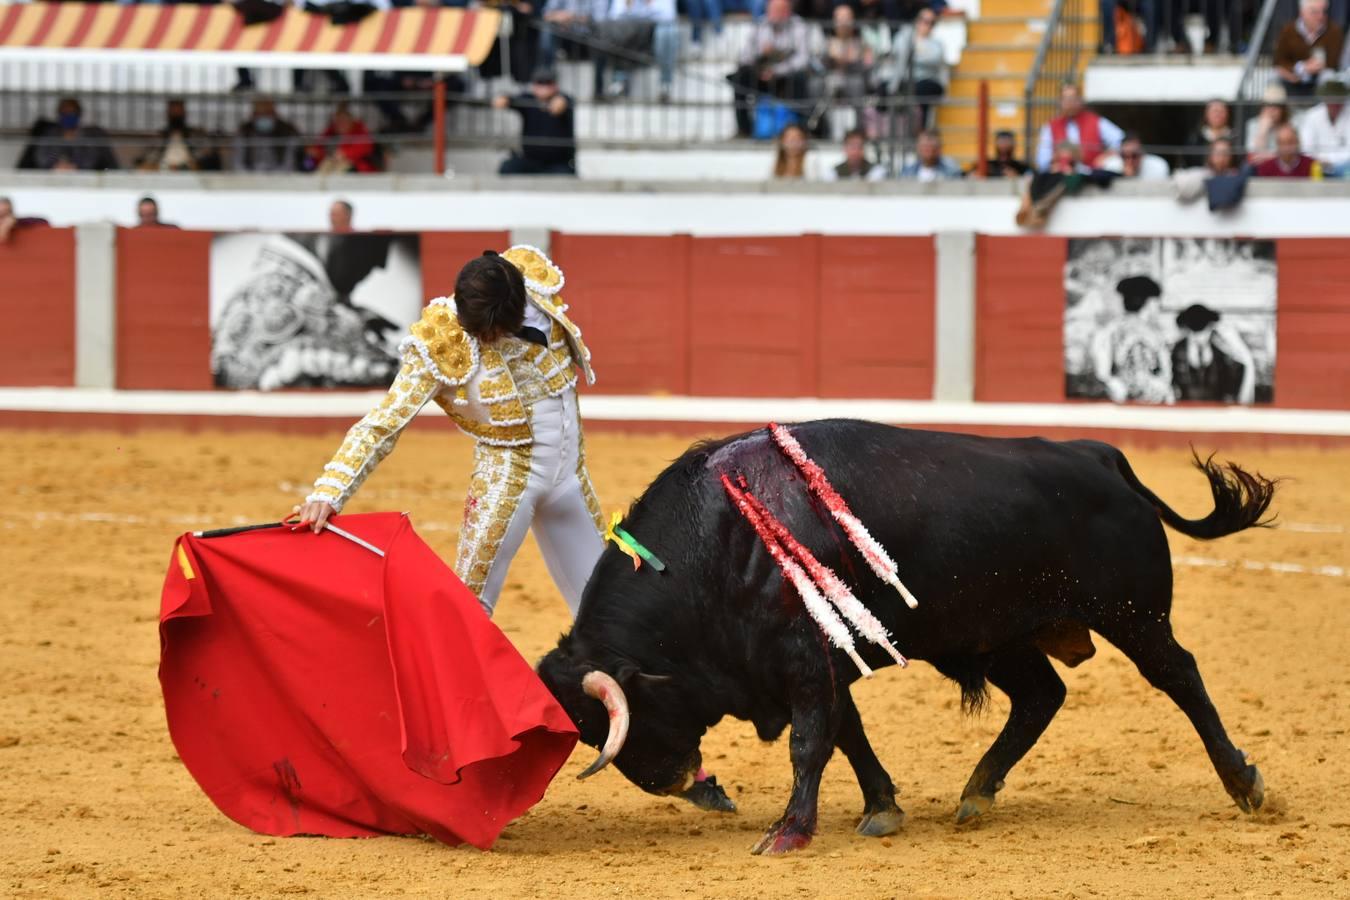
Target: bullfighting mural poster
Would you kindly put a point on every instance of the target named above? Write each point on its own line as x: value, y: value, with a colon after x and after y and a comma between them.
x: 1166, y: 320
x: 311, y: 310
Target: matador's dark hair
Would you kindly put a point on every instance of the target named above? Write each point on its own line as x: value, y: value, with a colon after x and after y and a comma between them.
x: 490, y: 297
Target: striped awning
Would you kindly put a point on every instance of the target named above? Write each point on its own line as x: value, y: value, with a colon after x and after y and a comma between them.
x: 419, y: 38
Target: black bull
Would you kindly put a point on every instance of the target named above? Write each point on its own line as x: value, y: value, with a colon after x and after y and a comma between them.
x: 1016, y: 550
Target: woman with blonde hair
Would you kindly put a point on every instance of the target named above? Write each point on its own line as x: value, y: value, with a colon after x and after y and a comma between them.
x: 793, y: 147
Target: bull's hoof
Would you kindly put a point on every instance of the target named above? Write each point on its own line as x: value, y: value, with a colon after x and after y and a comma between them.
x: 881, y: 822
x: 708, y: 794
x: 1249, y: 797
x: 782, y: 839
x: 973, y: 808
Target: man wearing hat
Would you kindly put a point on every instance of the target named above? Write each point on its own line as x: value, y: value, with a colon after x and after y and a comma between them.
x: 1260, y: 142
x: 1130, y: 356
x: 548, y: 140
x: 1325, y: 130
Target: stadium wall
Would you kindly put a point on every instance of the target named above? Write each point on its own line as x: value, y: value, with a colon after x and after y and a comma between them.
x: 952, y: 317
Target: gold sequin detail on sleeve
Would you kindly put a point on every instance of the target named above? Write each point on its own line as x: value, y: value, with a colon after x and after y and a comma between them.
x: 371, y: 439
x: 500, y: 475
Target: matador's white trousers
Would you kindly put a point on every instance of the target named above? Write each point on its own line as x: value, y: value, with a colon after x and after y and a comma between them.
x: 544, y: 486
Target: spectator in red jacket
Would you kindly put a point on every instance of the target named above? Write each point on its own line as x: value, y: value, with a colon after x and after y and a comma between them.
x: 344, y: 146
x: 1288, y: 162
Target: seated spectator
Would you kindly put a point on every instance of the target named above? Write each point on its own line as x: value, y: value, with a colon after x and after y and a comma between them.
x: 1220, y: 159
x: 1261, y: 129
x: 774, y: 61
x: 182, y: 148
x: 856, y: 166
x: 920, y: 65
x: 548, y: 145
x: 1003, y: 164
x: 11, y: 223
x: 1288, y: 161
x: 266, y: 142
x: 931, y: 165
x: 634, y: 31
x: 569, y: 25
x: 793, y: 147
x: 344, y: 146
x: 1132, y: 162
x: 847, y: 62
x: 1216, y: 123
x: 66, y: 145
x: 1325, y: 130
x: 1094, y: 134
x: 1123, y: 32
x: 1307, y: 47
x: 147, y: 214
x: 1068, y: 160
x: 702, y: 12
x: 387, y: 89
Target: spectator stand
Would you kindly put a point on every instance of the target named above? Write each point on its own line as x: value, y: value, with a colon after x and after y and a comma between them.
x: 121, y: 62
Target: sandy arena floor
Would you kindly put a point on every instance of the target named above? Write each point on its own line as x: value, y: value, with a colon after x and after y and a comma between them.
x: 1117, y: 800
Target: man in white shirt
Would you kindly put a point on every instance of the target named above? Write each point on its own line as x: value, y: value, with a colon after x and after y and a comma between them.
x: 632, y: 30
x: 1076, y: 124
x: 1325, y: 130
x: 1132, y: 162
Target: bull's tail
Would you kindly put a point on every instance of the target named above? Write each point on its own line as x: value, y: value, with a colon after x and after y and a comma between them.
x: 1241, y: 499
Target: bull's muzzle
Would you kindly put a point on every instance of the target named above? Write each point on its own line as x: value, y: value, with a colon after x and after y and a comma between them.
x: 604, y: 688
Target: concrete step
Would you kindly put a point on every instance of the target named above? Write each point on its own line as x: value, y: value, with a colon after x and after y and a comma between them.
x: 1001, y: 87
x: 1004, y: 60
x: 1012, y: 8
x: 1000, y: 116
x: 1006, y: 32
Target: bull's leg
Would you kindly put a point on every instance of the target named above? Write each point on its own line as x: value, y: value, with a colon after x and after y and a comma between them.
x: 811, y: 744
x: 881, y: 816
x: 1036, y: 693
x: 1170, y: 668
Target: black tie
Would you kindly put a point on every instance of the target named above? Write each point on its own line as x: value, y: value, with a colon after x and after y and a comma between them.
x: 533, y: 335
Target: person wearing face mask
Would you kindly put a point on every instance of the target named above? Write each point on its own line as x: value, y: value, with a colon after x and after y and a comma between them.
x: 69, y: 145
x: 266, y: 142
x: 181, y: 147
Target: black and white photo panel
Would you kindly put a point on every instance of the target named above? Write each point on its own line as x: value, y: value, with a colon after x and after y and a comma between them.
x: 1169, y: 320
x: 311, y: 310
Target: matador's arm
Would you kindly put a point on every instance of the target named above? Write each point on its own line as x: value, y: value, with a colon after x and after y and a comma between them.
x: 371, y: 439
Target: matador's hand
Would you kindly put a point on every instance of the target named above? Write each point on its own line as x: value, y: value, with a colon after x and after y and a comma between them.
x: 315, y: 514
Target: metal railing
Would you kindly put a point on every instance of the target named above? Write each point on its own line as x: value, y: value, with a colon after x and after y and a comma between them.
x: 699, y: 107
x: 1199, y: 26
x: 1257, y: 73
x: 1059, y: 59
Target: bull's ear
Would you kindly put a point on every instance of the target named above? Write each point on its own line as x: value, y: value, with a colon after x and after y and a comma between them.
x: 628, y: 674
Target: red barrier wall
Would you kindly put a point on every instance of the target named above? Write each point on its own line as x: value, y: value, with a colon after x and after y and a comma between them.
x: 631, y: 301
x: 1312, y: 340
x: 747, y: 317
x: 1019, y: 318
x: 1019, y: 329
x: 163, y: 324
x: 37, y: 305
x: 443, y: 252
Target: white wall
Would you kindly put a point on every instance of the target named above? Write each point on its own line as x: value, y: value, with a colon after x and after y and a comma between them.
x: 1273, y: 209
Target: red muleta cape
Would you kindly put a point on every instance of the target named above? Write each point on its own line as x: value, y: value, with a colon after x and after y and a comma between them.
x: 313, y: 687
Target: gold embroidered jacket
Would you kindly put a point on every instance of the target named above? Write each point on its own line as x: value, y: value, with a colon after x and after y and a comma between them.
x: 487, y: 389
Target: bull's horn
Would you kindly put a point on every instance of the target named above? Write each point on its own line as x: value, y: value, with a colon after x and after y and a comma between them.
x: 602, y: 687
